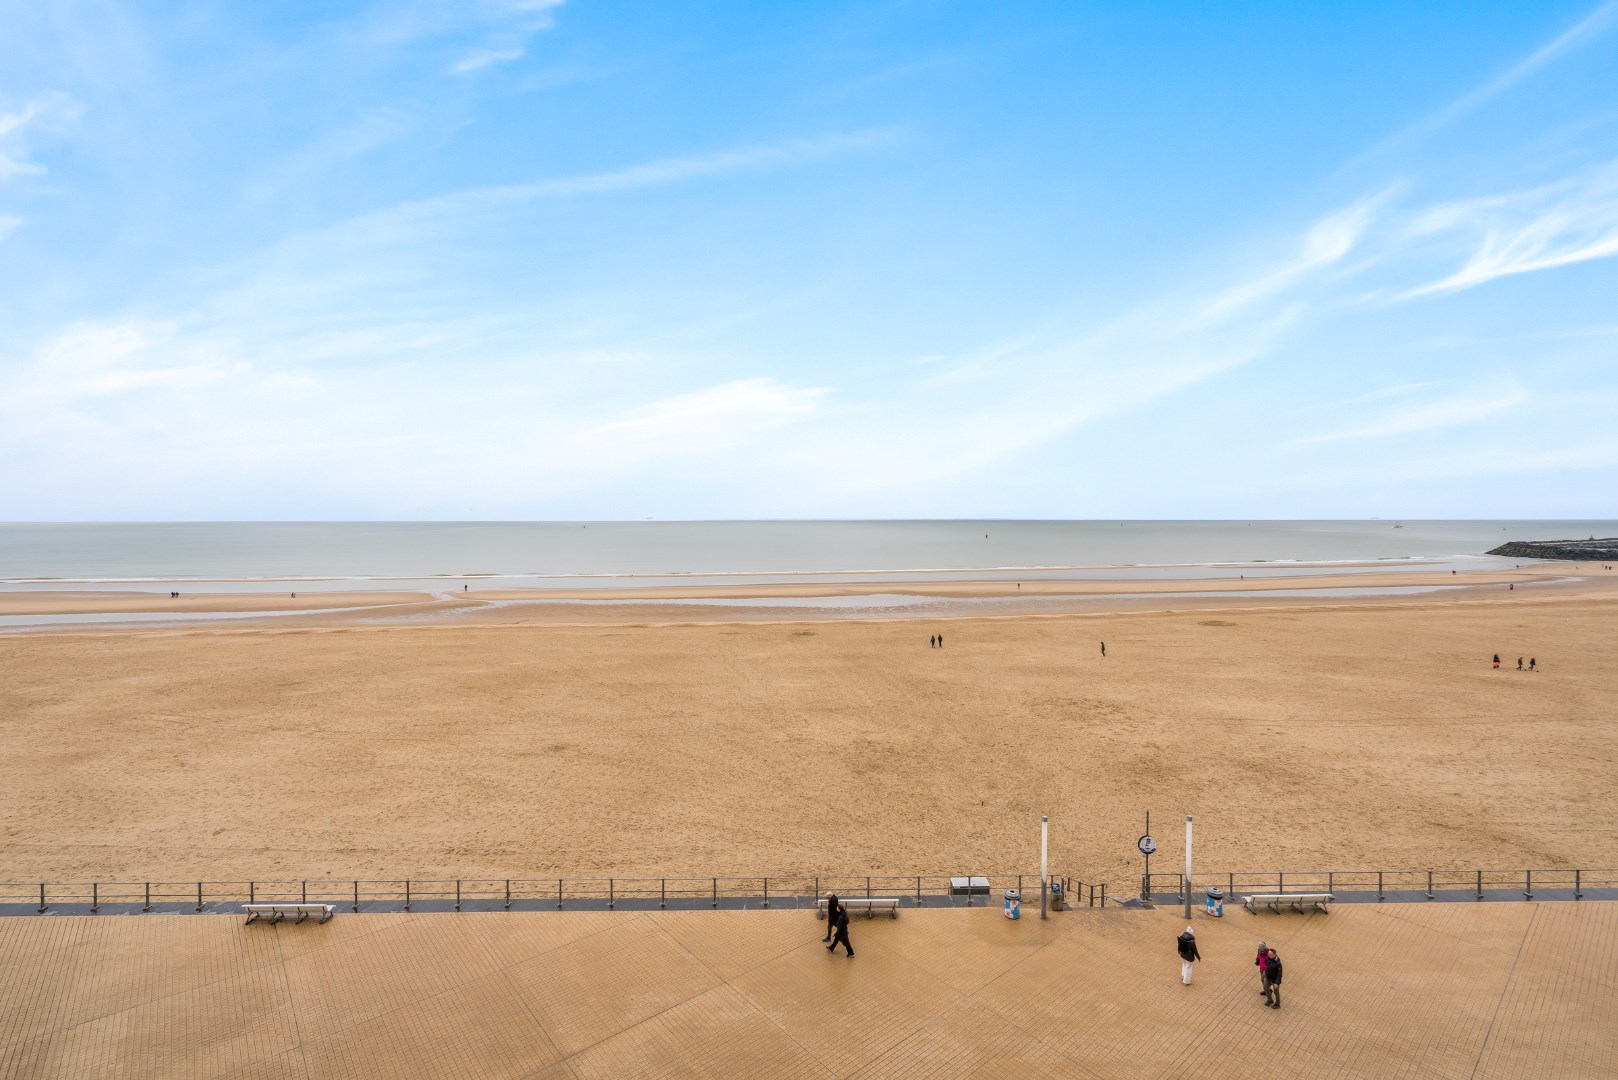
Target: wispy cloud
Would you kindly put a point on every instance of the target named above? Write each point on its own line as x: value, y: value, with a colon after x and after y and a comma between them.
x: 1519, y: 233
x: 524, y: 19
x: 1463, y: 406
x: 1600, y: 20
x: 48, y: 112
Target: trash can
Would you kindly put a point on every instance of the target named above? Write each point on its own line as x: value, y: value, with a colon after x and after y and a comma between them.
x: 1056, y: 894
x: 1216, y: 902
x: 1013, y: 904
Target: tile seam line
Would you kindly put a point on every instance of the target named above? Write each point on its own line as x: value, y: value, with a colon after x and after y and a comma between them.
x: 292, y: 1002
x: 972, y: 997
x: 153, y: 1000
x: 727, y: 984
x: 1504, y: 990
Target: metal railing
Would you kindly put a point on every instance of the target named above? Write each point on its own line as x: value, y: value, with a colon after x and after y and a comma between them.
x: 486, y: 894
x: 1402, y: 884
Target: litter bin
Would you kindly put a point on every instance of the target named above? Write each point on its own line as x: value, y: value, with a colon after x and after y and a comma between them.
x: 1013, y: 904
x: 1056, y: 894
x: 1216, y: 902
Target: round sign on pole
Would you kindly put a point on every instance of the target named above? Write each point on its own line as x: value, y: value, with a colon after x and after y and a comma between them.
x: 1147, y: 845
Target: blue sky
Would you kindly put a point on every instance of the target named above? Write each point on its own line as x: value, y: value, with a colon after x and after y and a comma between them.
x: 529, y: 259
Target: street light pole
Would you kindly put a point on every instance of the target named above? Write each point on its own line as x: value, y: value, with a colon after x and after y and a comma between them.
x: 1188, y: 868
x: 1044, y: 850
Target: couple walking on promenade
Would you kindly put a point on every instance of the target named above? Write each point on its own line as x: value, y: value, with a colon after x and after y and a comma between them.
x: 836, y: 923
x: 1269, y: 966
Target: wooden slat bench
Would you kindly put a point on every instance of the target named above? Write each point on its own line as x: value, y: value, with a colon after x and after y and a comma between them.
x: 1297, y: 901
x: 868, y: 904
x: 276, y: 912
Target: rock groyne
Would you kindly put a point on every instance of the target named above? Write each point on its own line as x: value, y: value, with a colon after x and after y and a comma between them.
x: 1574, y: 550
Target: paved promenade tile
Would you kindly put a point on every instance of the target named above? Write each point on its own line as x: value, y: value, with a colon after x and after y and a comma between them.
x: 1419, y: 991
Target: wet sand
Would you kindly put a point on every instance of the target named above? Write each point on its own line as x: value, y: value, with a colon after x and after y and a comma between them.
x: 1304, y: 733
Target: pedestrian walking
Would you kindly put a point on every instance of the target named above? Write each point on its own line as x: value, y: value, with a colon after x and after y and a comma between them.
x: 1103, y: 650
x: 1519, y: 663
x: 833, y: 907
x: 932, y: 641
x: 1186, y: 943
x: 1263, y: 955
x: 1272, y: 979
x: 842, y: 933
x: 1497, y: 661
x: 1532, y: 663
x: 940, y: 641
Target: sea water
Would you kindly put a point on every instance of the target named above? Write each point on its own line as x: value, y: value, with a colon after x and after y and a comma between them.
x: 604, y: 553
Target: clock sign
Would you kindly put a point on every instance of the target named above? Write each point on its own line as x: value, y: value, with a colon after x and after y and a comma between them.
x: 1147, y: 845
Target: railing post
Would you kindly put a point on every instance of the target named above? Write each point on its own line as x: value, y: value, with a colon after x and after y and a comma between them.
x: 42, y: 896
x: 817, y: 887
x: 457, y: 894
x: 199, y: 896
x: 1429, y: 884
x: 558, y: 894
x: 611, y: 898
x: 95, y: 897
x: 1230, y: 884
x: 766, y: 892
x: 715, y: 892
x: 1528, y: 885
x: 867, y: 889
x: 662, y: 892
x: 1379, y: 884
x: 407, y: 894
x: 508, y: 894
x: 1578, y: 892
x: 148, y: 906
x: 1480, y: 885
x: 251, y: 897
x: 1103, y: 894
x: 303, y: 892
x: 918, y: 890
x: 1330, y: 880
x: 356, y: 896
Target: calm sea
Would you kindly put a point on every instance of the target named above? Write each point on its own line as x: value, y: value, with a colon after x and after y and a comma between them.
x: 372, y: 554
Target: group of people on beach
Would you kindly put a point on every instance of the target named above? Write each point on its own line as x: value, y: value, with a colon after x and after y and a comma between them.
x: 1268, y: 962
x: 936, y: 641
x: 1533, y: 663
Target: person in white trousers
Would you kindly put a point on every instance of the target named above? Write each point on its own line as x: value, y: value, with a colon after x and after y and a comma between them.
x: 1187, y: 945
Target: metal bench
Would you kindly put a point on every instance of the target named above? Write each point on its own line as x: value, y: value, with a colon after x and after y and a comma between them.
x: 1297, y: 901
x: 277, y: 912
x: 869, y: 904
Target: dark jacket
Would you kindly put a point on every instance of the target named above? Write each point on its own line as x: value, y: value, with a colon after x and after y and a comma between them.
x: 842, y: 921
x: 1272, y: 970
x: 833, y: 906
x: 1188, y: 947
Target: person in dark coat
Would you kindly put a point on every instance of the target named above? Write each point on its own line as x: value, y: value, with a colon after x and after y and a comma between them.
x: 842, y: 933
x: 1272, y: 979
x: 1186, y: 943
x: 833, y: 907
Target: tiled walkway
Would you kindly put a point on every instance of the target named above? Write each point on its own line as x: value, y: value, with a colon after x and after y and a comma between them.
x: 1397, y: 990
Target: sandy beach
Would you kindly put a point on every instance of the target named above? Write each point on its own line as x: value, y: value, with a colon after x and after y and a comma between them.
x: 1363, y: 733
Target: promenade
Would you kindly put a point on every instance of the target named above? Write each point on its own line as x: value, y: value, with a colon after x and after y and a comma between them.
x: 1395, y: 990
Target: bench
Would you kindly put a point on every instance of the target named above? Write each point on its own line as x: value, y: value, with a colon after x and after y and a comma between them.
x: 1274, y: 901
x: 868, y: 904
x: 276, y: 912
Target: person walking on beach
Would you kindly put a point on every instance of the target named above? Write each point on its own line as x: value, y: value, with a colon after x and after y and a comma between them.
x: 932, y: 641
x: 1497, y: 661
x: 1532, y: 663
x: 842, y: 933
x: 834, y: 907
x: 940, y: 641
x: 1186, y: 944
x: 1272, y: 979
x: 1263, y: 956
x: 1103, y: 650
x: 1519, y: 663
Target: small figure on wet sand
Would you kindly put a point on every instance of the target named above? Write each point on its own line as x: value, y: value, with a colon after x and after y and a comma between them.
x: 1532, y: 664
x: 1497, y: 661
